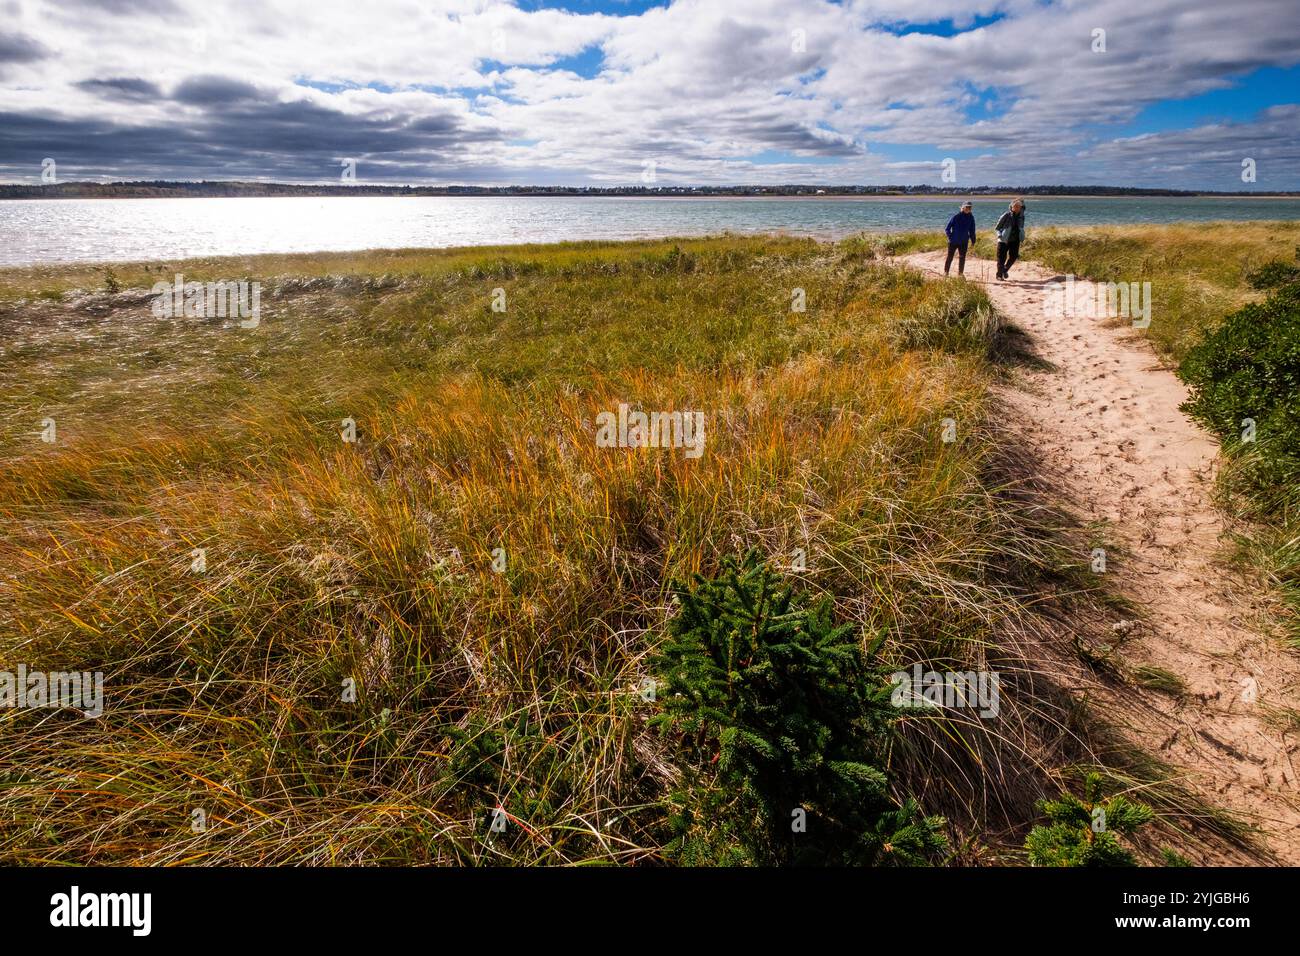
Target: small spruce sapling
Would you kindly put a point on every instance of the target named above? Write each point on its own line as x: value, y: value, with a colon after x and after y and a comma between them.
x: 776, y: 711
x: 1086, y: 832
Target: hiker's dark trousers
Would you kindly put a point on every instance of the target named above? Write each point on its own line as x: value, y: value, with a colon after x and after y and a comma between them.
x: 961, y: 258
x: 1008, y: 253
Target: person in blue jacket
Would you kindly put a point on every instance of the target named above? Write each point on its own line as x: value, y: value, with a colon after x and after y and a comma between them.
x: 961, y: 232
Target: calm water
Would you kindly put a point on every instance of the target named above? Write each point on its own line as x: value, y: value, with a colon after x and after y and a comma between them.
x: 90, y: 230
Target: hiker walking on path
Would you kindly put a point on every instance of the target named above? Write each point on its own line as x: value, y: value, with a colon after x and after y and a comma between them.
x: 961, y: 232
x: 1011, y: 232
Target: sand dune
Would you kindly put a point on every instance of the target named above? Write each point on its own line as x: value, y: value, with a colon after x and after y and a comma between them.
x: 1105, y: 422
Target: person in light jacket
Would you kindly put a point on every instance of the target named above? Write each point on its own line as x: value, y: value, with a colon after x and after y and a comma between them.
x: 961, y: 233
x: 1011, y: 232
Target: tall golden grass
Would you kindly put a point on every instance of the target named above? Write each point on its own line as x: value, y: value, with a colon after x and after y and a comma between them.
x: 371, y: 562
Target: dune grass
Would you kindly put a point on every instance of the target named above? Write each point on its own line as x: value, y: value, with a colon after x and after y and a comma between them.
x: 488, y: 580
x: 1198, y: 271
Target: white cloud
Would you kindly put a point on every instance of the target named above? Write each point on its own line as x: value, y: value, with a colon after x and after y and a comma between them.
x: 475, y: 90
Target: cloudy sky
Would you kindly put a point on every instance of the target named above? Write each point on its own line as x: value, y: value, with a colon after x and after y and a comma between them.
x: 600, y: 92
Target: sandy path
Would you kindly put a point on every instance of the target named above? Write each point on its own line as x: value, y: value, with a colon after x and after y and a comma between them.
x: 1106, y: 424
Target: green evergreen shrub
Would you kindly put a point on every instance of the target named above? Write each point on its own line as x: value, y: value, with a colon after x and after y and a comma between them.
x: 1086, y: 832
x: 1275, y: 273
x: 1249, y: 368
x: 782, y: 727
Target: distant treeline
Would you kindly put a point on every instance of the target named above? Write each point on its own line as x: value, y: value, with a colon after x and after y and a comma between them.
x: 168, y: 189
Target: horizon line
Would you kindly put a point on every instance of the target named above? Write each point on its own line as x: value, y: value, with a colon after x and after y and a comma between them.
x: 999, y: 189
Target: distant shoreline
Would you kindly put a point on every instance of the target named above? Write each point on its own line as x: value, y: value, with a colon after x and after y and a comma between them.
x: 238, y: 190
x: 671, y: 198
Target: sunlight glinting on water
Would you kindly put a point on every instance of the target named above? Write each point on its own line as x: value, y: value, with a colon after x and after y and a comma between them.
x: 90, y: 230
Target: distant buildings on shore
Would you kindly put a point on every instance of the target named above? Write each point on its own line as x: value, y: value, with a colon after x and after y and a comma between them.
x: 170, y: 189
